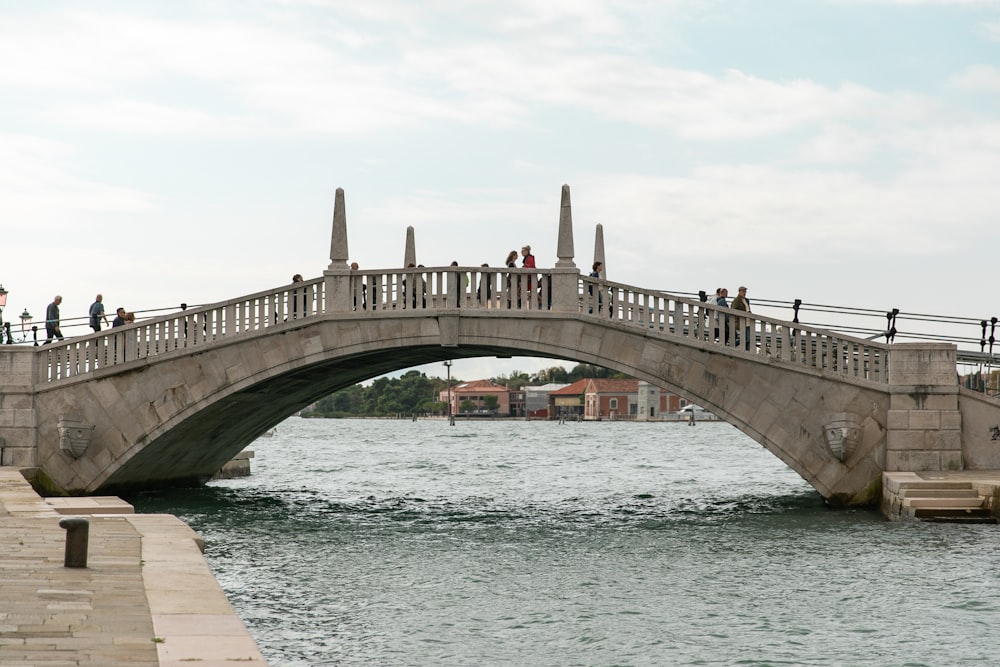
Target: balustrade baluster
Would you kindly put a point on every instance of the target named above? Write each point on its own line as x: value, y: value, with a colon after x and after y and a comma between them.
x: 478, y: 288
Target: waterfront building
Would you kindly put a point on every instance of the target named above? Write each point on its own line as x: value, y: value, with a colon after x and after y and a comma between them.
x: 536, y: 399
x: 567, y: 403
x: 654, y: 402
x: 589, y: 399
x: 610, y: 399
x: 473, y: 396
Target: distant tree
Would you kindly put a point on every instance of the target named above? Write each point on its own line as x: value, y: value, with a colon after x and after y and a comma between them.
x: 515, y: 380
x: 414, y: 393
x: 581, y: 371
x: 348, y: 401
x: 553, y: 374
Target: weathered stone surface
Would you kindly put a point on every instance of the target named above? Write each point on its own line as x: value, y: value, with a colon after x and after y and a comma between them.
x: 181, y: 415
x: 922, y: 364
x: 924, y: 419
x: 109, y: 612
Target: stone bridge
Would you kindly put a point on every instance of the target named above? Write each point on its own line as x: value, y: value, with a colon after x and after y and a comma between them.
x: 169, y: 400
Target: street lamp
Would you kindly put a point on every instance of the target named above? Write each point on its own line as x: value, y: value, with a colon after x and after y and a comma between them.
x: 451, y: 420
x: 25, y: 321
x: 3, y: 302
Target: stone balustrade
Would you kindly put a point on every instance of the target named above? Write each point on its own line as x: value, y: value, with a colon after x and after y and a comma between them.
x: 378, y: 293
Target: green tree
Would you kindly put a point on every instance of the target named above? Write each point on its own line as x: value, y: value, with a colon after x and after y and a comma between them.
x: 581, y: 371
x: 348, y: 401
x: 490, y: 402
x: 553, y: 374
x: 515, y: 380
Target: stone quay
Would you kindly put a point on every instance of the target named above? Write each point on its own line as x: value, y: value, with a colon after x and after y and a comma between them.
x: 146, y: 597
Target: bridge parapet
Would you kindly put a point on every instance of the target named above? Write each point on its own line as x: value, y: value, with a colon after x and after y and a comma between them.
x: 445, y: 288
x: 736, y: 331
x: 179, y: 332
x: 484, y: 290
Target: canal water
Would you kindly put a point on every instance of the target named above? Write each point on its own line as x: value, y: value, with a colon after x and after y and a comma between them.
x: 368, y: 542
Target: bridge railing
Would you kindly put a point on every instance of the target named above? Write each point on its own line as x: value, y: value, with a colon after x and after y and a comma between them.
x: 184, y: 330
x: 376, y: 293
x: 423, y: 288
x: 737, y: 330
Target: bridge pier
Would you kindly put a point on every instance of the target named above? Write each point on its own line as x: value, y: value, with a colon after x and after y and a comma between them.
x: 17, y: 407
x: 924, y: 423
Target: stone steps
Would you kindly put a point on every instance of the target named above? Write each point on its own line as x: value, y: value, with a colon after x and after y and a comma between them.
x: 944, y: 501
x: 941, y: 515
x: 941, y: 500
x: 966, y: 492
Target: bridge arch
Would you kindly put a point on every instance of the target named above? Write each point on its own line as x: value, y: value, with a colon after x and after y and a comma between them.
x: 192, y: 412
x: 169, y: 400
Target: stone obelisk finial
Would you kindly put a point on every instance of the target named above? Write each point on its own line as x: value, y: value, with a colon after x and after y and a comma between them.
x: 599, y: 249
x: 338, y: 237
x: 410, y: 253
x: 564, y: 250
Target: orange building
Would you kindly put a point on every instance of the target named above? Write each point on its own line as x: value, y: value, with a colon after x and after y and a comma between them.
x: 627, y: 399
x: 610, y: 399
x: 590, y: 399
x: 475, y: 392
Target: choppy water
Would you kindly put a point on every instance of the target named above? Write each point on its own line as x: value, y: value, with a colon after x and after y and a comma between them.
x: 362, y: 542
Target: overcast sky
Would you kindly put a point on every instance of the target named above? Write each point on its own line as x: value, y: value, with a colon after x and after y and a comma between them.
x: 838, y: 151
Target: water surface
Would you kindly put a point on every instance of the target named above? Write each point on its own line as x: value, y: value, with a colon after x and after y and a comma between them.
x: 370, y: 542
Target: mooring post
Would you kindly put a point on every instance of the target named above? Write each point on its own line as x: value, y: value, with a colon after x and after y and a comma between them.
x: 77, y: 536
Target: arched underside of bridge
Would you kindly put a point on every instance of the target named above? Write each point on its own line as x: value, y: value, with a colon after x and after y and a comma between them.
x: 177, y: 418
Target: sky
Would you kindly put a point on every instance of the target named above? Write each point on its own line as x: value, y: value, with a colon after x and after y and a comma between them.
x: 838, y: 151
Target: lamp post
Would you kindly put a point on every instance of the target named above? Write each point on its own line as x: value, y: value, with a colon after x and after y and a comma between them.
x: 451, y: 419
x: 25, y: 321
x: 3, y: 302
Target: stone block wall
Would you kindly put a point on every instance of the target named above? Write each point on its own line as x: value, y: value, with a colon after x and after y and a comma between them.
x: 924, y: 421
x: 17, y: 407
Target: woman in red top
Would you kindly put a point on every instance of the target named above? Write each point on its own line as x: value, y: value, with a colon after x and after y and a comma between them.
x: 528, y: 263
x: 529, y: 259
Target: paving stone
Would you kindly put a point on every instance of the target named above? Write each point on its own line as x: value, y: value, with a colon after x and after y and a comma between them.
x: 109, y: 613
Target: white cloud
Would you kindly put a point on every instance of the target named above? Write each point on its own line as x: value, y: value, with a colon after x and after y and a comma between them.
x: 693, y: 171
x: 274, y: 78
x: 41, y: 191
x: 838, y: 144
x: 984, y: 78
x: 131, y: 116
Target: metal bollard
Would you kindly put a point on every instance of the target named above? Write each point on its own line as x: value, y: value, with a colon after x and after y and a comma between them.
x: 77, y: 535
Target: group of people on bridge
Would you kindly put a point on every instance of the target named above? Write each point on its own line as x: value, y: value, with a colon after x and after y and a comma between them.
x: 741, y: 303
x: 53, y: 323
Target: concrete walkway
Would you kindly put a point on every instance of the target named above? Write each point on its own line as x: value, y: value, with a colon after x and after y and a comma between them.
x: 145, y: 599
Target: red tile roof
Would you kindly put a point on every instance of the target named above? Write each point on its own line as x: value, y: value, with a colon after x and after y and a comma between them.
x: 478, y: 385
x: 575, y: 389
x: 606, y: 386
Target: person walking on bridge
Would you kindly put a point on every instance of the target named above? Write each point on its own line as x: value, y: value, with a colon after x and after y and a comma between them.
x: 297, y: 278
x: 52, y: 329
x: 596, y: 273
x: 529, y: 263
x: 721, y: 300
x: 97, y: 313
x: 741, y: 302
x: 511, y: 263
x: 529, y: 260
